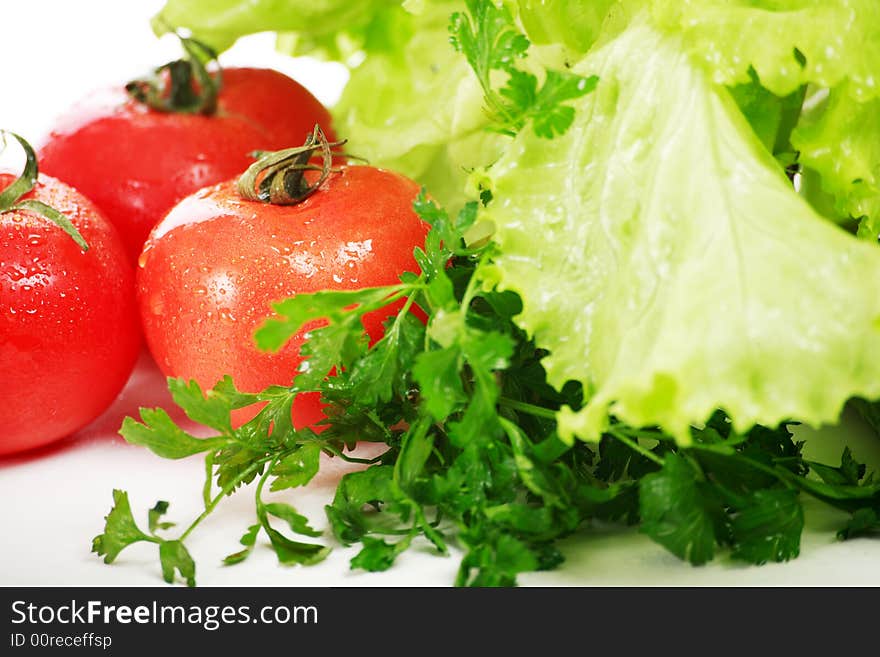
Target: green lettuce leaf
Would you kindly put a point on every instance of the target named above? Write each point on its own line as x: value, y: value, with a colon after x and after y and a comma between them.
x: 330, y: 28
x: 771, y: 117
x: 787, y: 45
x: 417, y: 108
x: 788, y: 42
x: 574, y: 24
x: 841, y: 142
x: 666, y: 262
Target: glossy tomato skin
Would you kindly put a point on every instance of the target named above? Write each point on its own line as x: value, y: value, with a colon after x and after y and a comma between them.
x: 283, y: 108
x: 135, y: 163
x: 69, y: 333
x: 213, y: 266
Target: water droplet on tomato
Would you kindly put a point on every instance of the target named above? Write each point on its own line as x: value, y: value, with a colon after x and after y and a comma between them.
x: 157, y: 304
x: 145, y: 255
x: 200, y: 290
x: 15, y: 273
x: 35, y: 240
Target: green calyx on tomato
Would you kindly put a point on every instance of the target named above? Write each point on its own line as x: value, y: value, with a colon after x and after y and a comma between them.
x: 183, y: 86
x: 11, y: 197
x: 279, y: 177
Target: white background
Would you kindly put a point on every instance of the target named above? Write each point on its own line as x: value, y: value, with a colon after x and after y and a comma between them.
x: 52, y: 503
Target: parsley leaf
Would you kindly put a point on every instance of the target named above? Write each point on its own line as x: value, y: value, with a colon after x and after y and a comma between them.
x: 490, y: 41
x: 769, y: 527
x: 160, y: 509
x: 298, y: 523
x: 176, y: 558
x: 210, y: 409
x: 864, y: 522
x: 162, y: 436
x: 676, y: 512
x: 382, y: 372
x: 120, y: 530
x: 249, y: 539
x: 377, y: 554
x: 437, y: 374
x: 298, y: 468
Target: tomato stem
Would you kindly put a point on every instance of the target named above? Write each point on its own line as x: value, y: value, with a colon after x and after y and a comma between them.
x: 11, y: 197
x: 183, y: 86
x: 278, y: 177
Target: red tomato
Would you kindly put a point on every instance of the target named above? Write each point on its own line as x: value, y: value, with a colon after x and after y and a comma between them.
x: 135, y: 163
x: 69, y: 333
x: 213, y: 266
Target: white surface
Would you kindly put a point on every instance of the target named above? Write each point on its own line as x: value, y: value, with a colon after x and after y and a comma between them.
x: 53, y: 502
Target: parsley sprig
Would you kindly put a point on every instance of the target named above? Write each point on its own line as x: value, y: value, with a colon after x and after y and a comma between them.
x: 491, y: 42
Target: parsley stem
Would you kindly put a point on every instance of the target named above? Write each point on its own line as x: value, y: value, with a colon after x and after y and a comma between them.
x: 647, y: 434
x: 256, y: 465
x: 415, y: 288
x: 351, y: 459
x: 788, y: 478
x: 209, y: 473
x: 258, y: 494
x: 411, y: 297
x: 634, y: 445
x: 471, y: 290
x: 525, y: 407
